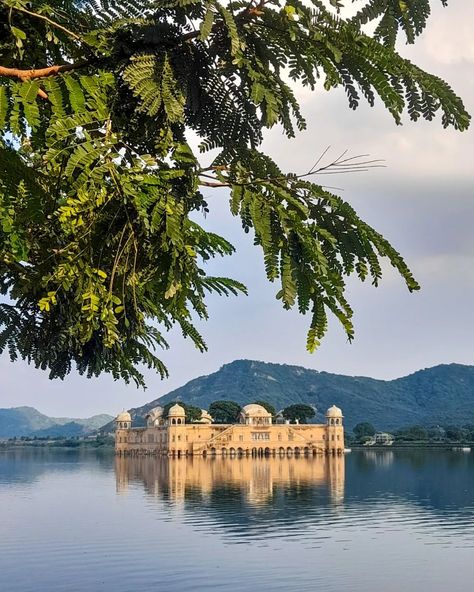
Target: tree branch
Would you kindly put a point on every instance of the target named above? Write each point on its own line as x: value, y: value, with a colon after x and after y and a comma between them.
x: 35, y: 73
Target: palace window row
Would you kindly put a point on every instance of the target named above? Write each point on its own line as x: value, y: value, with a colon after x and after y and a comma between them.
x: 260, y: 436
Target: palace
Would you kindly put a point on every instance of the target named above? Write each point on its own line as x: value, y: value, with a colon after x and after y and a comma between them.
x: 254, y: 435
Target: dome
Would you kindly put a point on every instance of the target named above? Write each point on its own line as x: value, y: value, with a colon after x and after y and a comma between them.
x: 155, y: 412
x: 154, y: 417
x: 176, y: 411
x: 124, y: 416
x: 254, y: 410
x: 334, y: 412
x: 205, y: 417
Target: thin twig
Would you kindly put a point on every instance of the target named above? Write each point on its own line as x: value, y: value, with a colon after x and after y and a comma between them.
x: 49, y: 21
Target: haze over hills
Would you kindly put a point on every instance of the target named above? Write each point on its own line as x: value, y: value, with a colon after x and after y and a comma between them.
x: 440, y: 395
x: 27, y: 421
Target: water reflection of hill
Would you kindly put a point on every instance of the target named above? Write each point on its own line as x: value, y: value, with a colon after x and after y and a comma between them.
x: 239, y: 493
x: 441, y: 482
x: 28, y: 464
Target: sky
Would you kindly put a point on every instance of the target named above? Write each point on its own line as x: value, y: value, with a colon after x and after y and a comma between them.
x: 421, y: 201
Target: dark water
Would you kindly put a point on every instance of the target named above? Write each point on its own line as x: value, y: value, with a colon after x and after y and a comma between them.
x: 76, y: 522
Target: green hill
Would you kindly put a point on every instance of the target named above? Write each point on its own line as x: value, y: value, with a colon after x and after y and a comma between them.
x: 443, y: 394
x: 27, y: 421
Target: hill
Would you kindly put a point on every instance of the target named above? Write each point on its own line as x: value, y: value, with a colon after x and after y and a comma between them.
x: 27, y: 421
x: 443, y: 394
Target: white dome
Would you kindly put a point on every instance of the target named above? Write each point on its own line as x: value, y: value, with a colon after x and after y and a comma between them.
x: 155, y: 412
x: 334, y: 412
x: 124, y: 416
x: 176, y: 411
x: 254, y: 410
x: 205, y: 417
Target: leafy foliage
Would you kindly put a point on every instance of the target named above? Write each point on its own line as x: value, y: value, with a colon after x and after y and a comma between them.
x: 268, y: 406
x: 224, y: 411
x: 299, y: 412
x: 363, y: 429
x: 100, y: 253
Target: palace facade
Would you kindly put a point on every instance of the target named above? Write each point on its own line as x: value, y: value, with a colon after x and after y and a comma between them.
x: 255, y: 435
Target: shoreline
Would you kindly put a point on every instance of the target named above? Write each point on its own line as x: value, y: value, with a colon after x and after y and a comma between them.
x: 413, y: 446
x: 109, y: 446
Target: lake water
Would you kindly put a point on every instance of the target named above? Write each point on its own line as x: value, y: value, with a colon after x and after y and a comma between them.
x: 74, y: 521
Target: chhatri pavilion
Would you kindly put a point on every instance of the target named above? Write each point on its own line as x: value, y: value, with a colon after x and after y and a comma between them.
x: 254, y: 435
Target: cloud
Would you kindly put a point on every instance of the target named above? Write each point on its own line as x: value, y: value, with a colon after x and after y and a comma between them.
x: 448, y: 39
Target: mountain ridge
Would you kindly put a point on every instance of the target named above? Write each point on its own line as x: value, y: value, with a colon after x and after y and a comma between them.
x: 441, y: 394
x: 28, y: 421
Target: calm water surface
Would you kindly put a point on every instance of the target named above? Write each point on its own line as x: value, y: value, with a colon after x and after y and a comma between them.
x: 82, y: 521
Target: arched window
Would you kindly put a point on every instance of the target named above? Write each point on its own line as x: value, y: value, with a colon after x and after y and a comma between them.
x: 179, y: 421
x: 173, y: 421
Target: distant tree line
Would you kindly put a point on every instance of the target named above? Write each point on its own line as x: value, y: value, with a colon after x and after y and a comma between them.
x: 101, y: 440
x: 229, y: 411
x: 364, y: 431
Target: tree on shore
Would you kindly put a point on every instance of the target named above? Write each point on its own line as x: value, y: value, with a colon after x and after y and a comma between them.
x: 224, y: 411
x: 268, y: 406
x: 363, y: 429
x: 100, y: 250
x: 298, y: 412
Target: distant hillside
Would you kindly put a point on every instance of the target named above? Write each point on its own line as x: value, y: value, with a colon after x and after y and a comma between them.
x: 443, y: 394
x: 27, y: 421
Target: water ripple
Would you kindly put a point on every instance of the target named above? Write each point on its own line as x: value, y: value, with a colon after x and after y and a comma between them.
x: 75, y: 524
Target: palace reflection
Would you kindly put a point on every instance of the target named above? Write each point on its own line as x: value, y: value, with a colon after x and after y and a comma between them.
x: 257, y: 481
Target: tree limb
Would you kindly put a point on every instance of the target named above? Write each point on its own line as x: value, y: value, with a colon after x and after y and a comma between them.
x: 35, y: 73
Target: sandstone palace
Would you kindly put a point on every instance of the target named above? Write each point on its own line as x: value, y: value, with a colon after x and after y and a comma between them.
x: 256, y: 434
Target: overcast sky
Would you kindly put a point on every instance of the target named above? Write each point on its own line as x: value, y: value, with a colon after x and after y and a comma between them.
x: 422, y: 201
